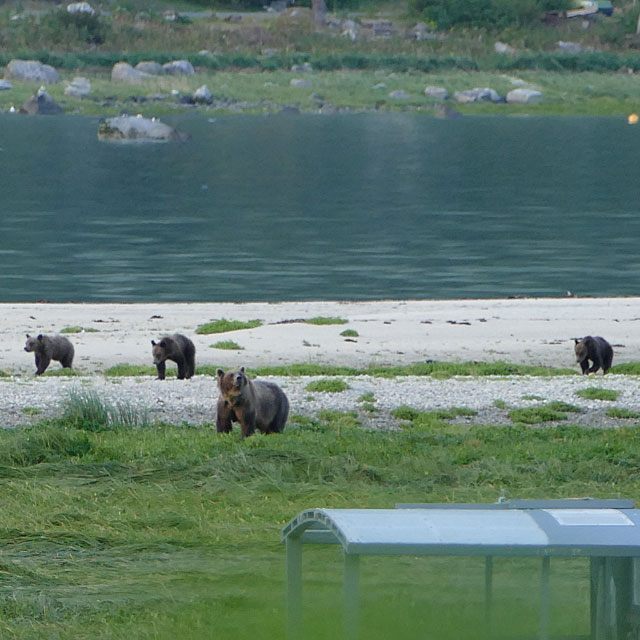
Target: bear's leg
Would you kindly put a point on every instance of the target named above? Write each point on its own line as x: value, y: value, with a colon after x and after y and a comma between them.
x: 181, y: 368
x: 190, y: 365
x: 595, y: 366
x: 224, y: 419
x: 584, y: 365
x: 66, y: 362
x: 42, y: 362
x: 161, y: 367
x: 247, y: 420
x: 280, y: 419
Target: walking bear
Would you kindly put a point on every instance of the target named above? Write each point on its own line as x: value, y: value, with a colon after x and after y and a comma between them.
x: 177, y: 348
x: 596, y: 349
x: 48, y: 348
x: 252, y: 403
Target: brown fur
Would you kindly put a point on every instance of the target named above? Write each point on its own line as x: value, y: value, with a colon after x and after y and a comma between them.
x: 48, y: 348
x: 252, y: 403
x: 596, y: 349
x: 177, y: 348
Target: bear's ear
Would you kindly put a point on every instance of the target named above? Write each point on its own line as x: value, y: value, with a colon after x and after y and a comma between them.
x: 28, y: 336
x: 220, y: 373
x: 576, y: 340
x: 40, y: 337
x: 153, y: 343
x: 241, y: 369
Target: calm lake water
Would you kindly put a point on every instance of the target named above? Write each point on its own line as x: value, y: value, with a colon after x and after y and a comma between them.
x: 271, y: 208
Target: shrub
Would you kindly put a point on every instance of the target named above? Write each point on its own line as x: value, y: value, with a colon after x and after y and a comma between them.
x: 322, y: 320
x: 227, y: 344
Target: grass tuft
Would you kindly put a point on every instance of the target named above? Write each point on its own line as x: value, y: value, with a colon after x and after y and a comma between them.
x: 619, y: 412
x: 77, y: 329
x: 325, y: 320
x: 223, y: 325
x: 328, y: 385
x: 595, y: 393
x: 229, y: 345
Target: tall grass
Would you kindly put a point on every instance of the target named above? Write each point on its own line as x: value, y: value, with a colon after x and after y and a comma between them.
x: 165, y: 531
x: 86, y: 410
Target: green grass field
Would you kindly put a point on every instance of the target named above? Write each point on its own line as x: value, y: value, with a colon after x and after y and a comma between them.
x: 161, y: 531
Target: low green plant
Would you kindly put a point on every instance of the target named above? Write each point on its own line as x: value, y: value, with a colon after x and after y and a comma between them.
x: 77, y: 329
x: 596, y: 393
x: 63, y: 372
x: 626, y: 368
x: 31, y: 411
x: 327, y: 385
x: 125, y: 370
x: 350, y: 333
x: 547, y: 413
x: 325, y: 320
x: 369, y: 396
x: 532, y: 396
x: 500, y: 404
x: 223, y: 325
x: 620, y: 412
x: 227, y: 344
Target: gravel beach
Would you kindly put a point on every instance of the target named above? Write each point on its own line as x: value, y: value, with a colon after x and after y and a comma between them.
x: 27, y: 400
x: 521, y: 331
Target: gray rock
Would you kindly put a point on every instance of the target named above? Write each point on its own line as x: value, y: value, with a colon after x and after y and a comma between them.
x: 300, y: 83
x: 202, y: 95
x: 420, y: 31
x: 438, y: 93
x: 524, y: 96
x: 123, y: 128
x: 302, y: 68
x: 477, y: 95
x: 568, y: 47
x: 31, y: 70
x: 41, y: 104
x: 149, y: 66
x: 443, y: 111
x: 399, y: 94
x: 380, y: 85
x: 81, y: 7
x: 124, y: 72
x: 4, y: 85
x: 78, y: 88
x: 179, y: 67
x: 501, y: 47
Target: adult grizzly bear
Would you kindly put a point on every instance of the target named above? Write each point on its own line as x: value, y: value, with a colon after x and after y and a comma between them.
x: 48, y: 348
x: 252, y: 403
x: 177, y: 348
x: 596, y: 349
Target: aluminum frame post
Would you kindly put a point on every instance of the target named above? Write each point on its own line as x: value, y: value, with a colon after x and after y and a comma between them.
x: 351, y: 596
x: 294, y: 587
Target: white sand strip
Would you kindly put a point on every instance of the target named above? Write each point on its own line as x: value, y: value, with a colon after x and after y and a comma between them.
x: 536, y: 331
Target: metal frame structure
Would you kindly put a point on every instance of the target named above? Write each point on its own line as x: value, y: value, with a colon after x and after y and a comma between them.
x: 605, y: 531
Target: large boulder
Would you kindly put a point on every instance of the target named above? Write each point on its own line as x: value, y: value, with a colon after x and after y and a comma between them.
x: 149, y: 66
x: 524, y: 96
x: 4, y: 85
x: 202, y: 95
x: 477, y: 95
x: 78, y: 88
x: 179, y: 67
x: 41, y: 104
x: 81, y: 7
x: 123, y: 128
x: 438, y: 93
x: 32, y: 71
x: 124, y: 72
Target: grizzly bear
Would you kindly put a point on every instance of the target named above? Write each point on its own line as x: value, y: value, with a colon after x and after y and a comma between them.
x: 48, y: 348
x: 596, y: 349
x: 252, y: 403
x: 177, y: 348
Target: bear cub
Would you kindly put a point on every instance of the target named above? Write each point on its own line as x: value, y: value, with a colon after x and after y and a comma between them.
x: 177, y: 348
x: 252, y: 403
x: 48, y: 348
x: 596, y: 349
